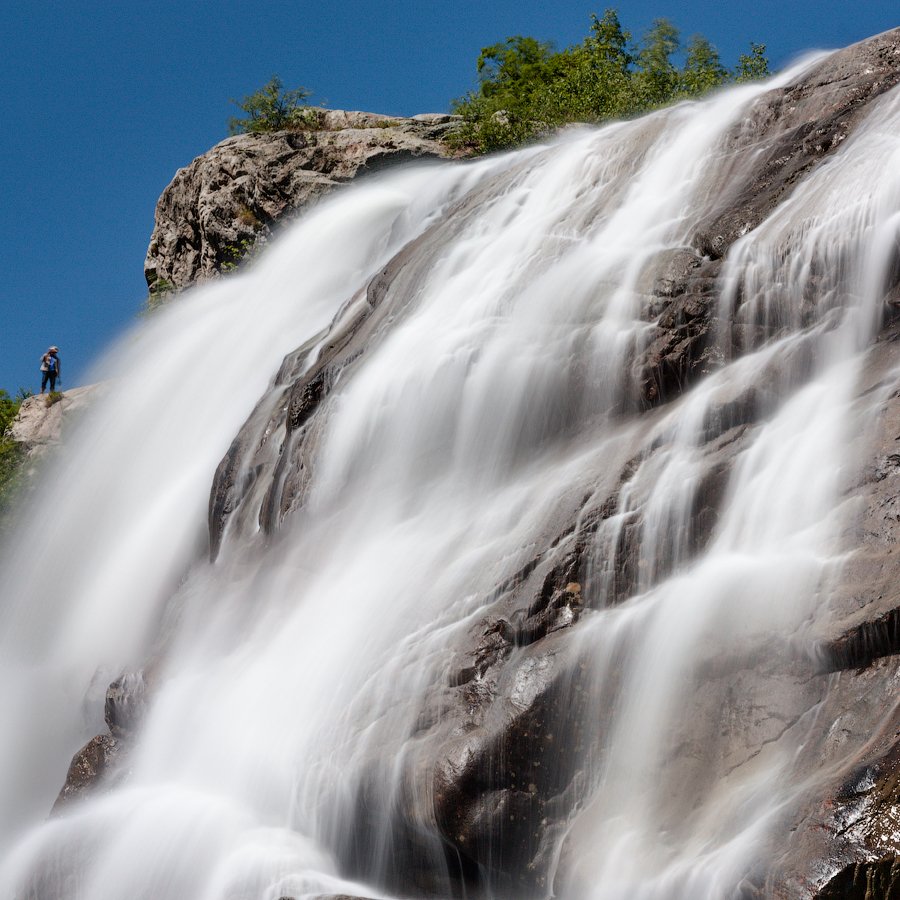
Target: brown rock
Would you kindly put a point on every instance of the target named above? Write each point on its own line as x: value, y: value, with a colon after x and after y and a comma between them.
x: 90, y: 766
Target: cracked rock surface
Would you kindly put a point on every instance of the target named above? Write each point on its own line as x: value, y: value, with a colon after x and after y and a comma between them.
x: 234, y: 195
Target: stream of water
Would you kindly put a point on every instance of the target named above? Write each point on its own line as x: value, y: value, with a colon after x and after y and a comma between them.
x: 294, y: 667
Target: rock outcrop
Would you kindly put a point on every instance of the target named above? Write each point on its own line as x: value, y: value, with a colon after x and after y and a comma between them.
x: 101, y: 763
x: 789, y: 131
x: 91, y: 766
x: 230, y: 198
x: 43, y: 419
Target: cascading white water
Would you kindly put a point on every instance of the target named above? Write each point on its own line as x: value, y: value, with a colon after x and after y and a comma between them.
x: 293, y: 667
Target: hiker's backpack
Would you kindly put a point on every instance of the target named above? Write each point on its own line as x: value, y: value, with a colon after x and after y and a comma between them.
x: 51, y: 363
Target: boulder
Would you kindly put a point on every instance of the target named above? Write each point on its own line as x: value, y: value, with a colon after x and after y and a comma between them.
x: 232, y: 197
x: 102, y: 760
x: 91, y: 766
x: 42, y: 419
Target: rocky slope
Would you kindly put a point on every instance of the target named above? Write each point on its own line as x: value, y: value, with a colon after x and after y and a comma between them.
x: 37, y: 431
x: 43, y: 419
x: 500, y: 741
x: 231, y: 197
x: 497, y: 762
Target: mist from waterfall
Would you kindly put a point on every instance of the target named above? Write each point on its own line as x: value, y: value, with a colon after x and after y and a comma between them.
x: 290, y: 675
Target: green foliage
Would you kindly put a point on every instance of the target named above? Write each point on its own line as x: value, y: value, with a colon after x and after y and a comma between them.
x: 601, y: 75
x: 12, y: 458
x: 272, y: 108
x: 517, y: 65
x: 753, y: 65
x: 159, y: 293
x: 526, y: 88
x: 656, y: 79
x: 9, y: 408
x: 239, y: 254
x: 703, y: 70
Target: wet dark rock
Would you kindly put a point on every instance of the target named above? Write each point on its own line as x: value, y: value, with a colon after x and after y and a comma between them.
x: 101, y: 762
x: 515, y: 773
x: 91, y: 766
x: 675, y: 272
x: 875, y: 880
x: 126, y: 703
x: 865, y: 643
x: 503, y: 762
x: 680, y: 349
x: 222, y: 496
x: 810, y: 119
x: 301, y: 390
x: 849, y: 817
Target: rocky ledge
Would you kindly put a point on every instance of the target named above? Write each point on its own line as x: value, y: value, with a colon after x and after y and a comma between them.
x: 43, y: 418
x: 230, y: 198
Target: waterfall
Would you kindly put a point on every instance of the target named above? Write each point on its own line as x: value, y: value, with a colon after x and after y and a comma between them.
x: 303, y: 671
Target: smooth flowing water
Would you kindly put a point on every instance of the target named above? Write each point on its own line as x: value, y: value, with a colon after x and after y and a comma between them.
x: 496, y: 390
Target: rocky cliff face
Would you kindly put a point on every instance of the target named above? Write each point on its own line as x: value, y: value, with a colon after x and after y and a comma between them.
x: 230, y: 198
x: 500, y: 741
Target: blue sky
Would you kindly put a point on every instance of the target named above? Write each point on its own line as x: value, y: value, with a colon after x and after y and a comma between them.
x: 103, y: 101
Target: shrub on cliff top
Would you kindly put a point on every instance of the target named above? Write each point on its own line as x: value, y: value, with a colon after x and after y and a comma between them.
x: 526, y: 89
x: 272, y: 108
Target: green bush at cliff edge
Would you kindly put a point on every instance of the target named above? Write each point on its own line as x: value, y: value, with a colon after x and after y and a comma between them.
x: 272, y: 108
x: 527, y: 89
x: 12, y: 457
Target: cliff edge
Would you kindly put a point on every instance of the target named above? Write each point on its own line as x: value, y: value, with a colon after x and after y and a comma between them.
x: 231, y: 197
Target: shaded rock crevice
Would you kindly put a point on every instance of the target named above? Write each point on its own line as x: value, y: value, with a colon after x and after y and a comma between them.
x: 878, y: 879
x: 865, y: 643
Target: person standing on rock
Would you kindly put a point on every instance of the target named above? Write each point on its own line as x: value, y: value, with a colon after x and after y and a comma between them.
x: 50, y: 369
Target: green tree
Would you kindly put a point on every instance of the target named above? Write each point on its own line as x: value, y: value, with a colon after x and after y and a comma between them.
x: 656, y: 80
x: 526, y: 89
x: 752, y: 66
x: 513, y: 75
x: 271, y: 108
x: 601, y: 77
x: 608, y: 43
x: 512, y: 66
x: 703, y: 70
